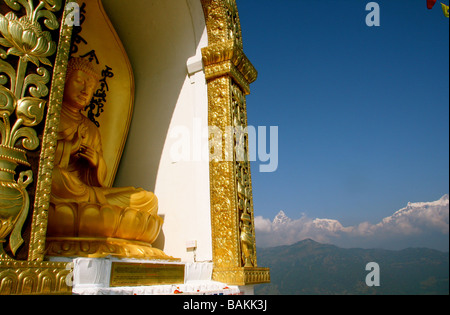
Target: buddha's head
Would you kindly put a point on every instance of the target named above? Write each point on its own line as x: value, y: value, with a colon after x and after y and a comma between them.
x: 81, y: 81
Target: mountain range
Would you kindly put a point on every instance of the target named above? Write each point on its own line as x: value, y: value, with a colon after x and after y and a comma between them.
x: 418, y: 224
x: 312, y: 268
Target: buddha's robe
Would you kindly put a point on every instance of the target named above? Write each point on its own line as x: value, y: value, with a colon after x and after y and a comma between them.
x: 75, y: 180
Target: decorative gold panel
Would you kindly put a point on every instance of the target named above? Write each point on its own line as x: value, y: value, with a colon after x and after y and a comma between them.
x: 32, y: 57
x: 242, y: 276
x: 25, y: 277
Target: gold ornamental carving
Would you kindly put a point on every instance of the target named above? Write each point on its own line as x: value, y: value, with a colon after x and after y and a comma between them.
x: 28, y: 58
x: 49, y: 141
x: 22, y: 105
x: 228, y: 58
x: 229, y: 74
x: 222, y: 21
x: 25, y: 278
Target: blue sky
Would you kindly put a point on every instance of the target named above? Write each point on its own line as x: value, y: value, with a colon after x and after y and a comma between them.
x: 363, y: 112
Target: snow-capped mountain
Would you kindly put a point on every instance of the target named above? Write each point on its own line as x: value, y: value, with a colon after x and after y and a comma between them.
x: 419, y: 215
x: 281, y: 218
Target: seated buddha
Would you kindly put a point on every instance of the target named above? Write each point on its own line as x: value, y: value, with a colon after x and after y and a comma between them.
x: 86, y: 218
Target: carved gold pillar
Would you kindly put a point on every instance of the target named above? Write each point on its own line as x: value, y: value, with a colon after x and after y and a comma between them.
x: 229, y: 74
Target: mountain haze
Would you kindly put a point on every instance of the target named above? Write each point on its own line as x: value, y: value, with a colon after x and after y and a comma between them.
x: 311, y: 268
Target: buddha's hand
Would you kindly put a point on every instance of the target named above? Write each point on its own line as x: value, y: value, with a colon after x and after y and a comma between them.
x: 89, y: 154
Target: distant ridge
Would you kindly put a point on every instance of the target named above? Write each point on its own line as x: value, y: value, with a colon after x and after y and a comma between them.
x: 311, y: 268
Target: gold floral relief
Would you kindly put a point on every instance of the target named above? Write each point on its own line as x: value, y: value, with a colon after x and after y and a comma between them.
x: 30, y: 96
x: 25, y: 68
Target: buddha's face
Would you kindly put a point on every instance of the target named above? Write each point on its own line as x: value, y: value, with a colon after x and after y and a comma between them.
x: 79, y: 89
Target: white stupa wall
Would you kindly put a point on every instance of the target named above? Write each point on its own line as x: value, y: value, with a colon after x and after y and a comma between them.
x: 164, y: 44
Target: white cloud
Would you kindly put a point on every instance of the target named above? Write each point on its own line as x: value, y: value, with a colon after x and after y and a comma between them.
x: 263, y: 225
x: 418, y: 224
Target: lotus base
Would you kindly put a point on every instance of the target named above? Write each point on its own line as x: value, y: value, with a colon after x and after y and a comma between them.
x: 103, y: 247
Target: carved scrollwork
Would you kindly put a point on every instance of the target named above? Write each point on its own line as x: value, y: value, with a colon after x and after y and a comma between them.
x: 22, y: 104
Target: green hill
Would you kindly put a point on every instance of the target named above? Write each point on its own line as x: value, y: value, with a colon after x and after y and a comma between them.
x: 311, y: 268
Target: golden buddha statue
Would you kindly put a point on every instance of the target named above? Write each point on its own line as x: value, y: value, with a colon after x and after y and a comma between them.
x: 86, y: 218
